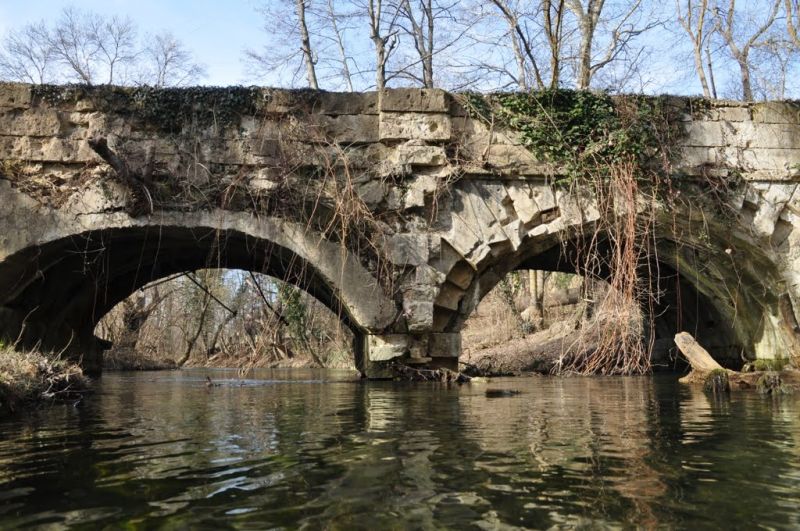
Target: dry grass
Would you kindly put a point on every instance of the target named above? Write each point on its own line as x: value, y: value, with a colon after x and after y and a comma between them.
x: 27, y: 378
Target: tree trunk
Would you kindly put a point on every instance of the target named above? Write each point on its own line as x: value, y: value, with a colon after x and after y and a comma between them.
x: 305, y: 43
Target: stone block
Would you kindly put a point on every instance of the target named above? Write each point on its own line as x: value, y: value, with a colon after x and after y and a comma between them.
x: 32, y: 122
x: 522, y: 201
x: 449, y: 296
x: 419, y: 314
x: 386, y: 347
x: 444, y: 345
x: 421, y: 155
x: 414, y: 126
x: 418, y: 189
x: 408, y: 249
x: 515, y: 160
x: 350, y: 128
x: 342, y: 103
x: 545, y: 197
x: 749, y: 135
x: 372, y: 192
x: 461, y: 275
x: 15, y: 95
x: 415, y: 100
x: 694, y: 156
x: 773, y: 112
x: 704, y: 133
x: 733, y: 114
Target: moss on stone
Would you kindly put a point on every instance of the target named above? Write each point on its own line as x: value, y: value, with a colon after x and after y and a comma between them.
x: 775, y: 364
x: 771, y: 384
x: 717, y: 382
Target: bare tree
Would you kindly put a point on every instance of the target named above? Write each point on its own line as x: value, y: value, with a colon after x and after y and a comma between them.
x: 792, y: 8
x: 553, y: 17
x: 691, y: 16
x: 27, y: 55
x: 114, y: 40
x: 621, y: 26
x: 338, y: 37
x: 167, y: 62
x: 383, y: 34
x: 74, y: 47
x: 773, y: 65
x: 305, y: 44
x: 522, y: 46
x: 740, y: 44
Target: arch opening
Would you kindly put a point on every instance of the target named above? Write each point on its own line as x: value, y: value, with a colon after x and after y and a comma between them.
x: 677, y: 303
x: 223, y: 318
x: 60, y: 290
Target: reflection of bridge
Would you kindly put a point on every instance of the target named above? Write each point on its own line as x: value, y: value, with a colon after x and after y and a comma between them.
x: 242, y: 178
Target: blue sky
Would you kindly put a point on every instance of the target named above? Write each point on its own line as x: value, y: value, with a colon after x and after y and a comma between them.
x: 216, y: 31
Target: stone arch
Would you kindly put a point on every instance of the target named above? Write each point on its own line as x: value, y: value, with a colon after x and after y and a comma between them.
x: 718, y: 281
x: 57, y: 288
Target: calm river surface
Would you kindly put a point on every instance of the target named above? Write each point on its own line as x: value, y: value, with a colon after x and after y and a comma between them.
x: 291, y: 449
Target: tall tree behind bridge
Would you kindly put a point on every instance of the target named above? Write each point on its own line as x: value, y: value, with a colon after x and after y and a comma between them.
x: 27, y: 56
x: 88, y: 48
x: 741, y: 31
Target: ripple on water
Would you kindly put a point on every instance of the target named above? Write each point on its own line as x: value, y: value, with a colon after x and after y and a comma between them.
x: 162, y: 449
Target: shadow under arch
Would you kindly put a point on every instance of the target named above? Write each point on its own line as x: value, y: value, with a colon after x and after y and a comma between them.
x: 57, y: 291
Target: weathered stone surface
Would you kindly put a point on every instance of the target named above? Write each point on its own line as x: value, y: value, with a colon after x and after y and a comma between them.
x: 449, y: 296
x: 418, y: 126
x: 350, y: 128
x: 419, y: 188
x: 776, y: 113
x: 387, y: 347
x: 457, y: 205
x: 15, y: 95
x: 415, y: 100
x: 408, y: 249
x: 31, y: 122
x: 416, y: 155
x: 444, y: 345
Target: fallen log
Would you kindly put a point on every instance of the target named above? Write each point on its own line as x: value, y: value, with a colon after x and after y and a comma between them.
x: 705, y: 369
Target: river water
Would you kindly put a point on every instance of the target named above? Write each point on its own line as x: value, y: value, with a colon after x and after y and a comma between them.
x: 289, y: 449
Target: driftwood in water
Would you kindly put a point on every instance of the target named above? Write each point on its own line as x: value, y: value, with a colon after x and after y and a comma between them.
x: 698, y: 357
x: 704, y: 368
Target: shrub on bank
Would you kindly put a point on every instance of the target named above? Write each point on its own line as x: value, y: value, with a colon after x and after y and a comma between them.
x: 30, y: 377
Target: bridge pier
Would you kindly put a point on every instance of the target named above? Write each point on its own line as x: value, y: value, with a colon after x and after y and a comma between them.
x: 431, y: 350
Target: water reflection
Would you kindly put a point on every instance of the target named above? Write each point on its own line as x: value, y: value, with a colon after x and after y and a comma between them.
x: 316, y: 449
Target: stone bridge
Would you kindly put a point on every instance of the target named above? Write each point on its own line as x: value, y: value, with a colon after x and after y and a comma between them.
x: 399, y: 211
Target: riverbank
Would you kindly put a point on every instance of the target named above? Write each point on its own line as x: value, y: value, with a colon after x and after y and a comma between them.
x: 126, y: 359
x: 30, y: 378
